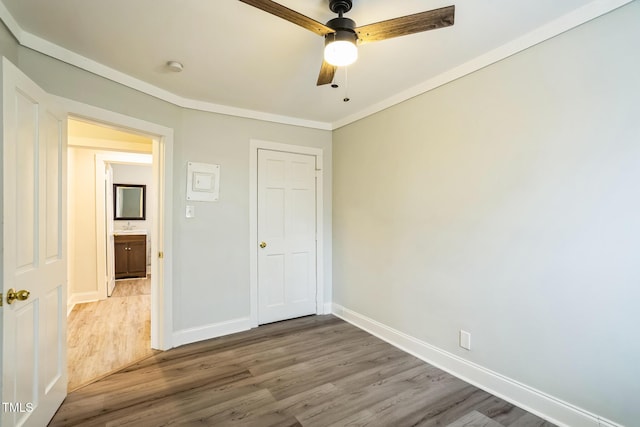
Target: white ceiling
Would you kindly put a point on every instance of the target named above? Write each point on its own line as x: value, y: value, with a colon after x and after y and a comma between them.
x: 240, y: 57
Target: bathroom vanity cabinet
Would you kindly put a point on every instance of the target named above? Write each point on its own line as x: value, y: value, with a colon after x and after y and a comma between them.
x: 130, y: 253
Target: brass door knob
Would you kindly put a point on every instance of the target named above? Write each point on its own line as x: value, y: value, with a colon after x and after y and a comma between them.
x: 12, y: 295
x: 263, y: 245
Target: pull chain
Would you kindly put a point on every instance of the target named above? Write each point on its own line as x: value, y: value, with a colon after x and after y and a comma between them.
x: 346, y: 85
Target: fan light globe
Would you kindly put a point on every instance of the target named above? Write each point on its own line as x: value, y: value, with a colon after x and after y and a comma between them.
x: 341, y: 53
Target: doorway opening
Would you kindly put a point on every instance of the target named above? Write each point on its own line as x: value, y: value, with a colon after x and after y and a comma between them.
x: 110, y: 321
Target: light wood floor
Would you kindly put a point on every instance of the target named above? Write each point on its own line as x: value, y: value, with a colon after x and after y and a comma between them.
x: 107, y: 335
x: 312, y: 371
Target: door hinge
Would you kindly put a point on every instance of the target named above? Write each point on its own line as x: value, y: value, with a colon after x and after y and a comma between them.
x: 161, y: 255
x: 1, y: 297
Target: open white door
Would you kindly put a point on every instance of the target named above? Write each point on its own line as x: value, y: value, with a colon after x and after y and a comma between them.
x: 108, y: 213
x: 287, y: 285
x: 34, y: 318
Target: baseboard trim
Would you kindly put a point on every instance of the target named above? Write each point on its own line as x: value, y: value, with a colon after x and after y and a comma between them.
x: 214, y: 330
x: 80, y: 298
x: 328, y: 308
x: 535, y: 401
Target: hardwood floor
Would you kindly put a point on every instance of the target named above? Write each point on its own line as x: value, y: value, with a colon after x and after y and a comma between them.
x: 312, y: 371
x: 107, y: 335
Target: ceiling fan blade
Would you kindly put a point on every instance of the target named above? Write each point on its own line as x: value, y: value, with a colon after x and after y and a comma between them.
x: 327, y: 71
x: 405, y: 25
x: 290, y: 15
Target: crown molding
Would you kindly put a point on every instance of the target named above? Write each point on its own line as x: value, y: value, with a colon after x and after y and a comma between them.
x: 564, y: 23
x: 48, y: 48
x: 10, y: 22
x: 571, y: 20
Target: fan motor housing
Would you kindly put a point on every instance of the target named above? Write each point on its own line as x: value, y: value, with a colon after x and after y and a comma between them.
x: 345, y: 30
x: 340, y: 6
x: 341, y: 35
x: 342, y: 24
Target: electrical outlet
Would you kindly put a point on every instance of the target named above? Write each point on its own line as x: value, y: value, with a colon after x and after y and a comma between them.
x: 465, y: 340
x: 190, y: 212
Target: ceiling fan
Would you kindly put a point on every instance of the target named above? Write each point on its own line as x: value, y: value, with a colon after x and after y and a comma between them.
x: 341, y: 34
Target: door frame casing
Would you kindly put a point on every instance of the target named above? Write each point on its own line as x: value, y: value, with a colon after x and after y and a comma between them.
x: 162, y: 154
x: 254, y: 146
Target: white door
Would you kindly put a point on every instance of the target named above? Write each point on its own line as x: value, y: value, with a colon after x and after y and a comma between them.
x: 34, y: 366
x: 108, y: 214
x: 286, y: 235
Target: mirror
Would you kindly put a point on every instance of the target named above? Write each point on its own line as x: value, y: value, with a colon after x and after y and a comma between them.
x: 129, y: 201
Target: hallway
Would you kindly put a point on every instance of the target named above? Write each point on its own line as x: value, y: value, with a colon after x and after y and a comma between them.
x: 107, y: 335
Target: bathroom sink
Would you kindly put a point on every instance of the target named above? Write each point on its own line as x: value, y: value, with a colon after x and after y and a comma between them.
x: 134, y: 231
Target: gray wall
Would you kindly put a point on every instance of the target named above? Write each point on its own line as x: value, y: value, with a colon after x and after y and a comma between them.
x: 507, y: 204
x: 216, y: 240
x: 211, y: 251
x: 8, y: 44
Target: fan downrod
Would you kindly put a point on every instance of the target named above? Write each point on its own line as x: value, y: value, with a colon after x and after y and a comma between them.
x: 340, y: 6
